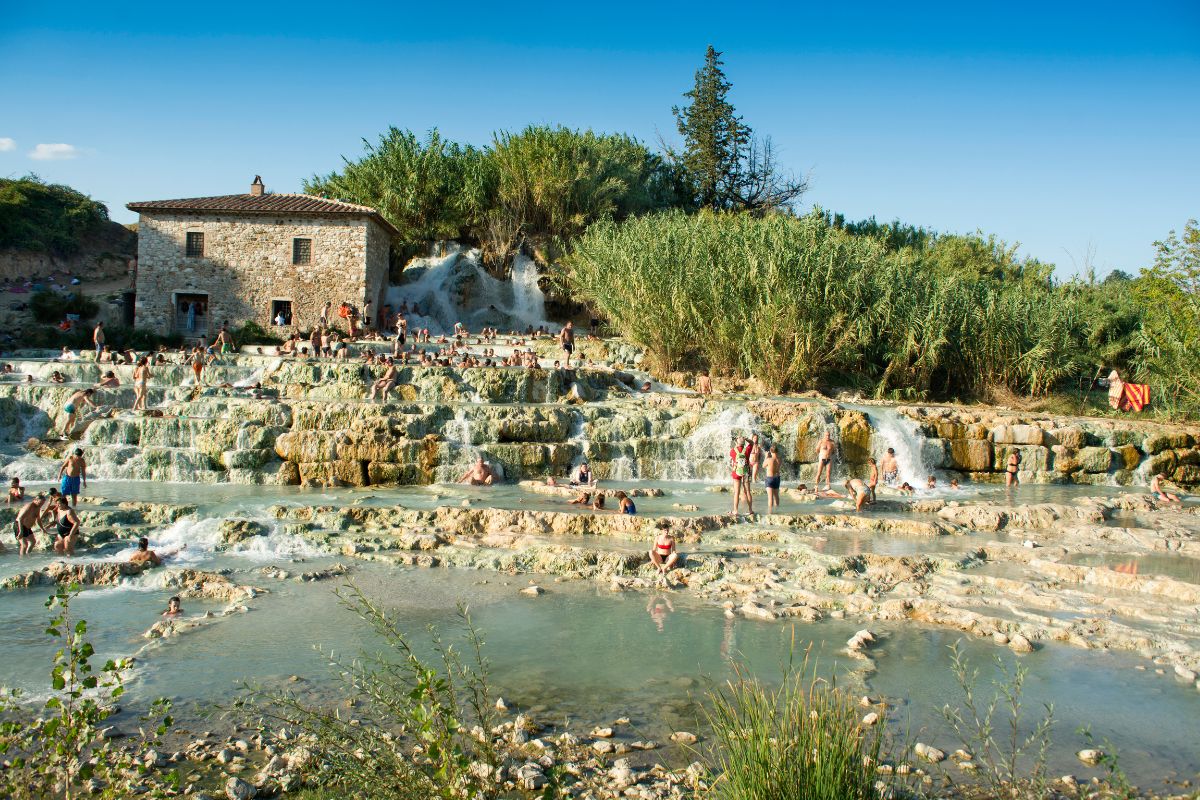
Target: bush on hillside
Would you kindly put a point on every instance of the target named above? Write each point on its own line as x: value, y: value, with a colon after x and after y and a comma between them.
x: 52, y: 307
x: 46, y: 217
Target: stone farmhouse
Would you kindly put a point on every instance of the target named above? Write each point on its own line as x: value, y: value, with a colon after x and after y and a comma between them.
x: 260, y: 257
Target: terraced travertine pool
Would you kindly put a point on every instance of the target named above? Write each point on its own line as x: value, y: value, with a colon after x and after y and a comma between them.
x: 1098, y: 578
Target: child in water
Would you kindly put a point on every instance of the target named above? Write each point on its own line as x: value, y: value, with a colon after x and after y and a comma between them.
x: 173, y: 608
x: 16, y: 492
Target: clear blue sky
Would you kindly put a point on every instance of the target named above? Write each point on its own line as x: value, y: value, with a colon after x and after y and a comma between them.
x: 1062, y: 126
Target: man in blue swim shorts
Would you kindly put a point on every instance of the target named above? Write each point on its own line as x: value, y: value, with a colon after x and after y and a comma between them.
x: 74, y: 476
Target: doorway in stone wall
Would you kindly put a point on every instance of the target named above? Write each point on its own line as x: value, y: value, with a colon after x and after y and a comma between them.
x: 191, y: 314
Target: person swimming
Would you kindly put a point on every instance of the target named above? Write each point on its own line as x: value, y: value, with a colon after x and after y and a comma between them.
x: 173, y: 608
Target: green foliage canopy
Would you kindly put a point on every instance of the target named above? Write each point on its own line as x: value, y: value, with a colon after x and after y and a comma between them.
x: 46, y: 217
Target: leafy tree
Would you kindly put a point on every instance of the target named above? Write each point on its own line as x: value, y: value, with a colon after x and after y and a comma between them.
x: 726, y: 167
x: 1169, y: 293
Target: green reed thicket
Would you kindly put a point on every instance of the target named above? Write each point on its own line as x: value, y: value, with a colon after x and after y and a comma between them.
x: 801, y: 739
x: 802, y: 302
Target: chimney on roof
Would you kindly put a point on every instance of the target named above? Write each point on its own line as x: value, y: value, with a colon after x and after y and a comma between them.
x: 257, y: 188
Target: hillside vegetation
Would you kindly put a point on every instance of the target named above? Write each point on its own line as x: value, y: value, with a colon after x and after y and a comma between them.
x: 36, y: 216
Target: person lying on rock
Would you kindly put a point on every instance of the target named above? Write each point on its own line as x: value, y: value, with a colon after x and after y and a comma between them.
x: 860, y: 491
x: 479, y: 474
x: 584, y: 499
x: 1159, y: 492
x: 663, y: 554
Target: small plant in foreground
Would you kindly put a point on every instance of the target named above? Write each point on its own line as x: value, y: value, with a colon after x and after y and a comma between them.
x: 1011, y: 762
x: 419, y: 731
x: 66, y: 753
x: 802, y: 740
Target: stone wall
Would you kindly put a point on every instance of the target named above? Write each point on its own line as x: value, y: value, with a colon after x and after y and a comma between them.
x: 247, y: 264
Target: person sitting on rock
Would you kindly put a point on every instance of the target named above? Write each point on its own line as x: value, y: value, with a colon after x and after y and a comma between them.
x: 173, y: 608
x: 663, y: 554
x: 385, y: 382
x: 598, y: 501
x: 859, y: 489
x: 585, y: 477
x: 479, y: 474
x: 625, y: 505
x: 1159, y: 492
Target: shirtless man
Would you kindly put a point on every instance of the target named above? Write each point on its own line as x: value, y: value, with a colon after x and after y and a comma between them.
x: 873, y: 478
x: 81, y: 397
x: 385, y: 382
x: 109, y: 381
x: 663, y: 554
x: 480, y: 474
x: 771, y: 466
x: 224, y: 339
x: 567, y: 338
x: 28, y: 517
x: 825, y: 459
x: 859, y: 489
x: 145, y: 554
x: 1159, y: 492
x: 73, y: 474
x: 704, y: 384
x: 98, y: 340
x: 889, y: 467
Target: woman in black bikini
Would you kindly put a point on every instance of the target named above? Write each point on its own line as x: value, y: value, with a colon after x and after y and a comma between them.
x: 1014, y: 464
x: 67, y: 526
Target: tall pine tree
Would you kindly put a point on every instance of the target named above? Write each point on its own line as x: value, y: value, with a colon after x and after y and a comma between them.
x: 713, y: 134
x: 723, y: 164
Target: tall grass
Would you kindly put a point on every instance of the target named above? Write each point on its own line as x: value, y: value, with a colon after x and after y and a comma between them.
x: 799, y: 303
x: 800, y: 741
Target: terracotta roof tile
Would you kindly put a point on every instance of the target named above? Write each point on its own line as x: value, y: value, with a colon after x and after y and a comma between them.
x: 264, y: 204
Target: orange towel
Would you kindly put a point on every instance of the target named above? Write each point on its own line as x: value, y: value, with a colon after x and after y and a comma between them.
x: 1135, y: 396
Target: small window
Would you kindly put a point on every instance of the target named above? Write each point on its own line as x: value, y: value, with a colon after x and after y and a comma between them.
x: 281, y: 312
x: 195, y: 244
x: 301, y: 251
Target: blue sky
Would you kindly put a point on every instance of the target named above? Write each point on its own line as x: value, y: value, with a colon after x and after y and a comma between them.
x: 1070, y: 128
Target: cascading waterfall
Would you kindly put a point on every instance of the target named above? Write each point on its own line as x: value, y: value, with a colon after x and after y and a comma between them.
x: 435, y: 282
x: 706, y: 449
x: 894, y: 430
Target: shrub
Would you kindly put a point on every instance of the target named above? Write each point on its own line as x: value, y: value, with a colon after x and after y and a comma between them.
x: 253, y: 333
x: 52, y: 307
x: 412, y: 734
x: 801, y: 741
x: 66, y: 753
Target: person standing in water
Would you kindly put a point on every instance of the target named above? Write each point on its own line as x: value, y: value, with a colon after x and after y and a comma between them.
x: 755, y: 457
x: 1014, y: 465
x: 567, y: 338
x: 67, y: 527
x: 98, y: 340
x: 889, y: 467
x: 771, y: 466
x: 26, y: 518
x: 825, y: 459
x: 73, y: 474
x: 141, y: 375
x: 739, y: 457
x: 873, y: 478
